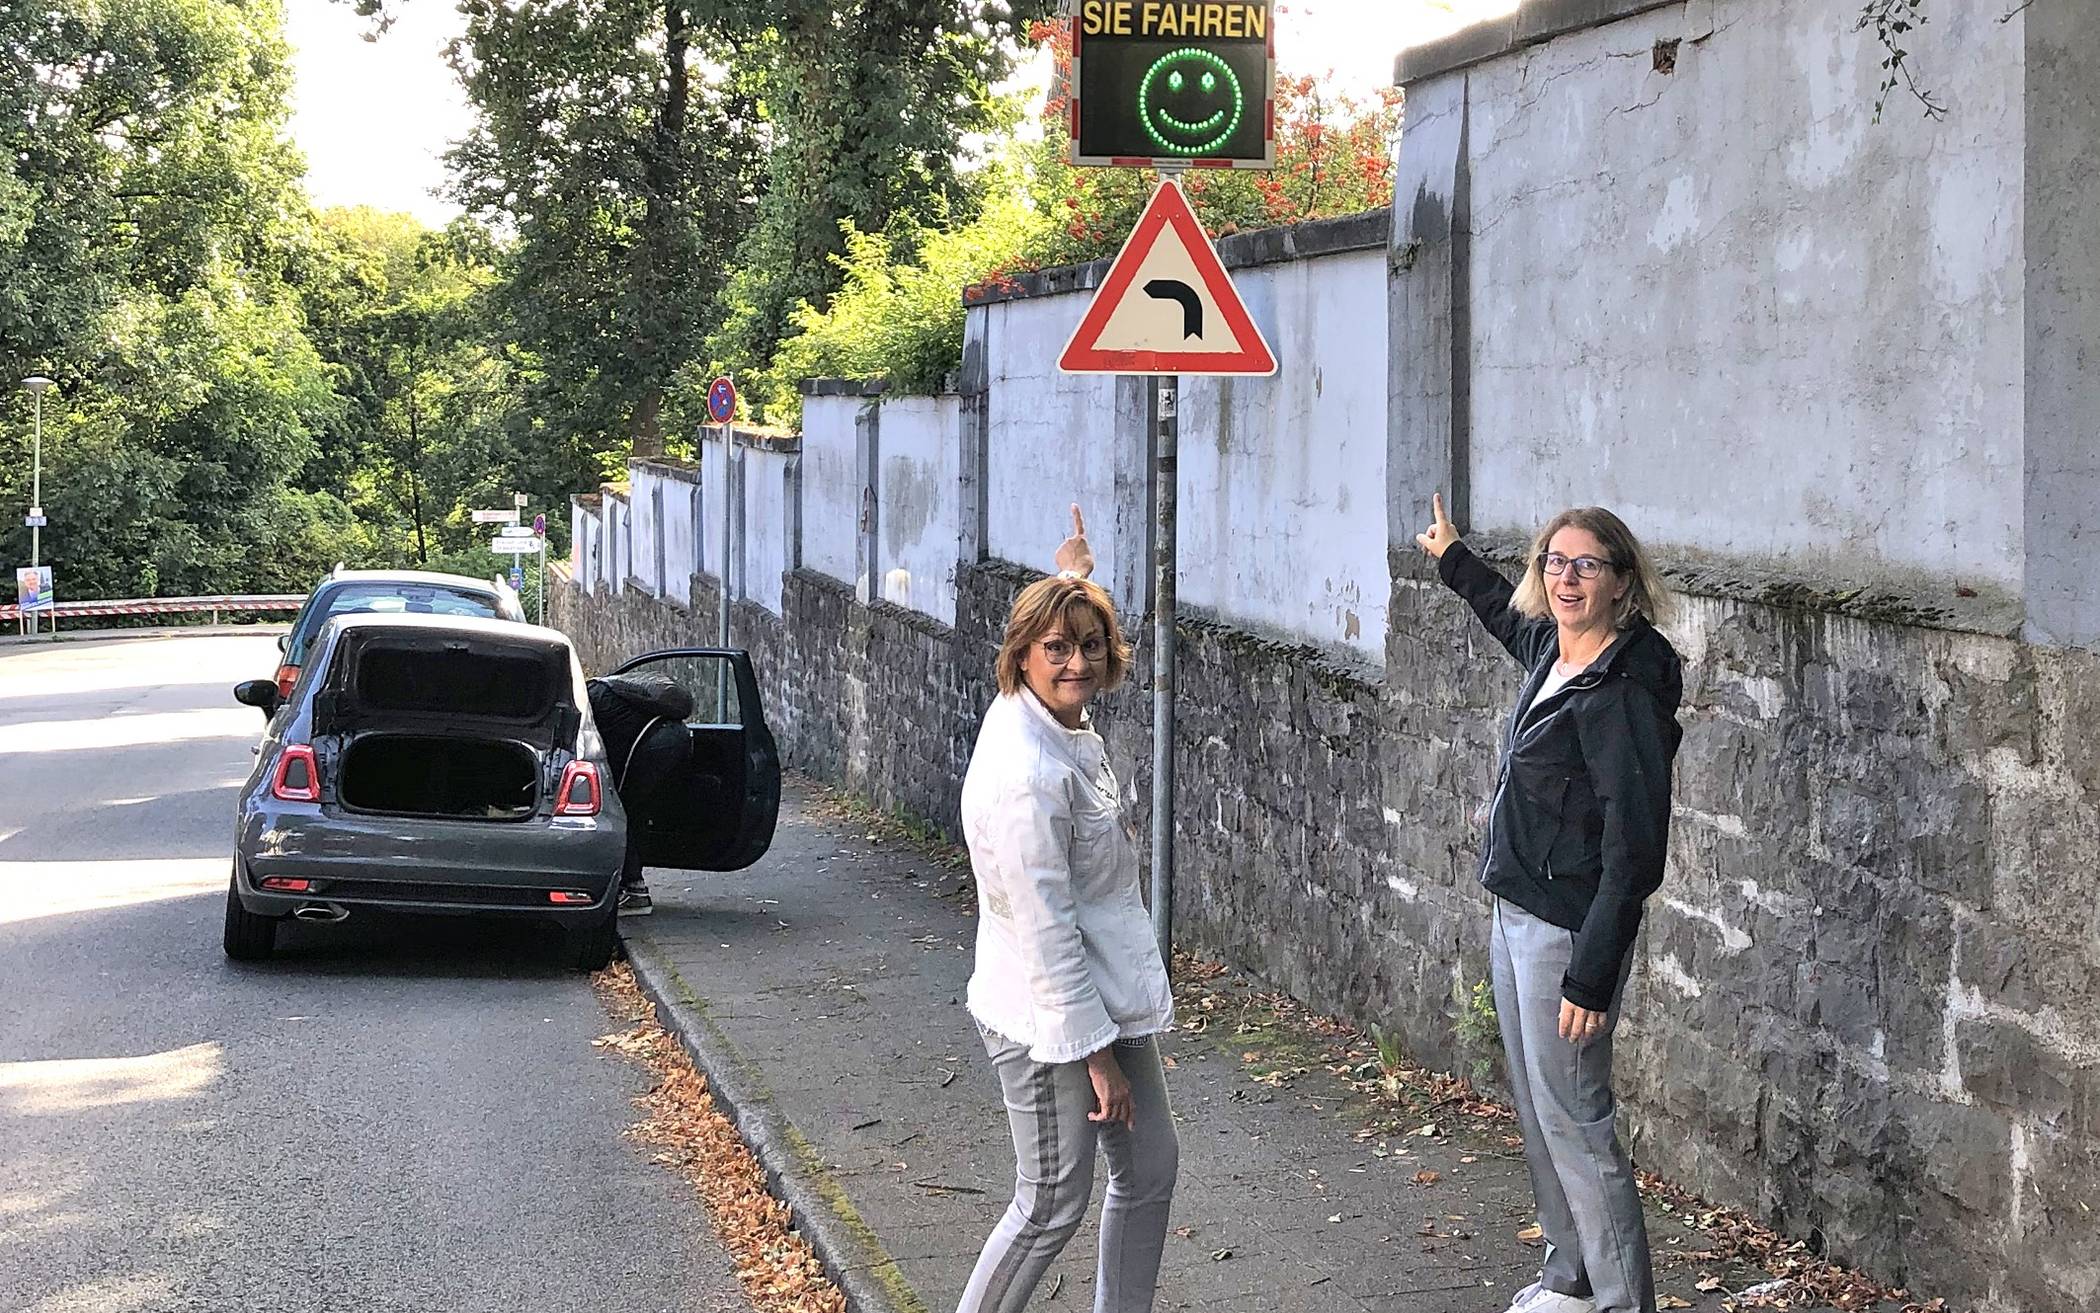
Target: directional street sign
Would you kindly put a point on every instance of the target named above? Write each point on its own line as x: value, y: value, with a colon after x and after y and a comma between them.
x: 34, y: 520
x: 1167, y: 305
x: 518, y: 546
x: 496, y: 517
x: 1174, y: 82
x: 515, y: 531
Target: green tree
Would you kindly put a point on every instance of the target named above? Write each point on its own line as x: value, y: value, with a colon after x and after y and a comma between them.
x: 868, y: 102
x: 627, y: 167
x: 148, y: 214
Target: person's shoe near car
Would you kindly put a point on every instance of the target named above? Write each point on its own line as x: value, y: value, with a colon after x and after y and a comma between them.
x: 635, y: 900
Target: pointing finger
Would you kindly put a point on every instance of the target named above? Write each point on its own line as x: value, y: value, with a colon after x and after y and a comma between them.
x: 1436, y: 502
x: 1078, y: 522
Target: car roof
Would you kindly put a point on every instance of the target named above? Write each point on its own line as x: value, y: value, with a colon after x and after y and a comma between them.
x: 473, y: 626
x: 415, y: 577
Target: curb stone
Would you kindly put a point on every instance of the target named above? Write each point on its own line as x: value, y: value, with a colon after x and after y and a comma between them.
x: 820, y: 1211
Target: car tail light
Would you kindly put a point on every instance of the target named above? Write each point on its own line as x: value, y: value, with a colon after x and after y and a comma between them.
x: 578, y: 795
x: 286, y: 677
x: 298, y: 776
x: 284, y: 884
x: 568, y: 897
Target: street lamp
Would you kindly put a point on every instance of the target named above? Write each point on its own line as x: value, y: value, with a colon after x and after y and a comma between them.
x: 38, y: 385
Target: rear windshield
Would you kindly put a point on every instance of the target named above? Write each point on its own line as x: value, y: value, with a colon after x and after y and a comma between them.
x: 388, y: 598
x: 506, y: 685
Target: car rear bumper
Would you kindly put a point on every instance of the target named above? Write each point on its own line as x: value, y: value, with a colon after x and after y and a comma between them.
x: 428, y: 865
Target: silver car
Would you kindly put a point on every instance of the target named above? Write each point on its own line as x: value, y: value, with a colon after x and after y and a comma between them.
x: 445, y: 764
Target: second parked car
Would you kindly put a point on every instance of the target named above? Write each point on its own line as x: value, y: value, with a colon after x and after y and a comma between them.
x: 389, y: 592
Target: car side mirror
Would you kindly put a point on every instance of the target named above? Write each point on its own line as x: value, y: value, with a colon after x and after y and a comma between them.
x: 284, y: 642
x: 258, y: 693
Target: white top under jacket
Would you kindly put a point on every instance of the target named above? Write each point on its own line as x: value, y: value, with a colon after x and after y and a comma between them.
x: 1066, y: 959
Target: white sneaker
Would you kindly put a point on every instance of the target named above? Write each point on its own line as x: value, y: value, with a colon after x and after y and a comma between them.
x: 1535, y: 1298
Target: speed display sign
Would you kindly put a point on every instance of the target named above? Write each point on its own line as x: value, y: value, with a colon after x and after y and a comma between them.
x: 1161, y: 82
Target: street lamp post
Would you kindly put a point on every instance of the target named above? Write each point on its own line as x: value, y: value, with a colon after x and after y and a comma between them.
x: 38, y: 385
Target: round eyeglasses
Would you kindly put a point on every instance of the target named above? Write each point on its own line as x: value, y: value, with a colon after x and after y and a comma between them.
x: 1058, y: 651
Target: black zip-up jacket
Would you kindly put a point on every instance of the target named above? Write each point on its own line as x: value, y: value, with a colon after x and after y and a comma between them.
x: 1580, y: 824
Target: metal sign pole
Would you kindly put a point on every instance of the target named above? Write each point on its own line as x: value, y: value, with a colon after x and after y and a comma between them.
x: 1165, y: 516
x: 722, y: 619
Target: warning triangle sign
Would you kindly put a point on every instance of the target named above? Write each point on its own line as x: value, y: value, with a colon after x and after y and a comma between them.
x: 1167, y: 305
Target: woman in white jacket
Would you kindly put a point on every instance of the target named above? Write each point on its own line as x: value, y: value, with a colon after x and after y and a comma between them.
x: 1069, y: 990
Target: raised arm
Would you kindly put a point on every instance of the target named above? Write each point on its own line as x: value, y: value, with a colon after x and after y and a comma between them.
x: 1483, y: 588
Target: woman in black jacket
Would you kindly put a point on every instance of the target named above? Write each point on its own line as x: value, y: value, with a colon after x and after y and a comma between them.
x: 1577, y: 834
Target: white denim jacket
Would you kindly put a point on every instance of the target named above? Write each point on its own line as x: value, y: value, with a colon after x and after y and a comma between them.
x: 1066, y: 960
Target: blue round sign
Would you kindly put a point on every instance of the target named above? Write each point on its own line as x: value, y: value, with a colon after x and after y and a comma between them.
x: 721, y: 400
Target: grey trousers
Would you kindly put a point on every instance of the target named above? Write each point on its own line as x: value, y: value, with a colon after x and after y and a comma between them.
x: 1589, y: 1206
x: 1047, y: 1107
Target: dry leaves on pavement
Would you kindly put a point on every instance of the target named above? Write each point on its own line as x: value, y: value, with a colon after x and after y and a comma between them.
x: 776, y: 1265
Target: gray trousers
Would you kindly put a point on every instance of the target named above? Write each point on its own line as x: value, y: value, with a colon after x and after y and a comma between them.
x: 1589, y: 1206
x: 1047, y: 1107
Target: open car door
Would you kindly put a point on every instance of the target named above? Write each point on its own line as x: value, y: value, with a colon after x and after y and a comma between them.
x: 722, y: 808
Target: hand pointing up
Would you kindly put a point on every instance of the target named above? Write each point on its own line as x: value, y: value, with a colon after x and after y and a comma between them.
x: 1441, y: 534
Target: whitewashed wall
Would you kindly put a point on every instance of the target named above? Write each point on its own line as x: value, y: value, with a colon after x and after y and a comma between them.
x: 1283, y: 515
x: 921, y: 503
x: 830, y: 486
x: 1808, y: 349
x: 665, y: 512
x: 1053, y: 437
x: 769, y: 523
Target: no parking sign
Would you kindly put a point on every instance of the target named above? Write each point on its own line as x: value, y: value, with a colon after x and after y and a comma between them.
x: 721, y: 400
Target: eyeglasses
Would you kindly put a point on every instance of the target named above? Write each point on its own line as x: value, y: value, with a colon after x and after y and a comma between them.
x: 1586, y: 567
x: 1058, y: 651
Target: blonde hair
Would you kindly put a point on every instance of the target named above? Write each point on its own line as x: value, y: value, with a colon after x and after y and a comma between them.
x: 1045, y: 605
x: 1646, y: 594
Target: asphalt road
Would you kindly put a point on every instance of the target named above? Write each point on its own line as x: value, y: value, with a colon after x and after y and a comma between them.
x: 386, y: 1116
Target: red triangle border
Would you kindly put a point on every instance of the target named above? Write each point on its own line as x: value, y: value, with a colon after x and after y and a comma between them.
x: 1169, y: 205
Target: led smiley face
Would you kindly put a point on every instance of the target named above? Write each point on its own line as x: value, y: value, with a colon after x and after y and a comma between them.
x: 1190, y: 102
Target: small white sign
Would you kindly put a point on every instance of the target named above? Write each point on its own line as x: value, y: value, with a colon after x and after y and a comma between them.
x: 495, y: 517
x: 34, y: 520
x: 516, y: 531
x: 517, y: 546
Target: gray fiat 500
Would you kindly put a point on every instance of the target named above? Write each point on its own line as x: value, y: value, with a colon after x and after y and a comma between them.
x: 441, y: 764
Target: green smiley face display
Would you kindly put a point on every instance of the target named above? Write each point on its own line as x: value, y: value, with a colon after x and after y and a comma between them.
x: 1190, y: 102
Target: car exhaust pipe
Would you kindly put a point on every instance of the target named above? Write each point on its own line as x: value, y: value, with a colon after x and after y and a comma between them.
x: 327, y: 913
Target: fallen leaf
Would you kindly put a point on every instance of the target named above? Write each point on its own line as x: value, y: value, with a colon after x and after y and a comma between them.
x: 1185, y: 1232
x: 1427, y: 1130
x: 1532, y: 1235
x: 1671, y: 1301
x: 1427, y: 1178
x: 1709, y: 1283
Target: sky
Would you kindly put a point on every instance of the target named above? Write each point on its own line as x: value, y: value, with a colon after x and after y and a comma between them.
x: 374, y: 118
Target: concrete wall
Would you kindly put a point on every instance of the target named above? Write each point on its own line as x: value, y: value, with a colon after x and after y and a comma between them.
x: 1725, y: 302
x: 830, y: 485
x: 1054, y: 438
x: 921, y: 459
x: 771, y: 522
x: 665, y: 497
x: 1283, y: 480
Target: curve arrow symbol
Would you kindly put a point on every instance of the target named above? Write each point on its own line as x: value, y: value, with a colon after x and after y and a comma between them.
x: 1173, y: 289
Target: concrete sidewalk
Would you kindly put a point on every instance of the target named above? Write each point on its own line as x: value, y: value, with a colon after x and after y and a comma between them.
x: 822, y: 993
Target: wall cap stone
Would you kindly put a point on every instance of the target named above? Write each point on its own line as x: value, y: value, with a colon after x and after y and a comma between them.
x: 1370, y: 230
x: 1534, y: 22
x: 843, y: 387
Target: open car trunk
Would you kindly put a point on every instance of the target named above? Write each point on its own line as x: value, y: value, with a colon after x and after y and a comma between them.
x: 452, y: 682
x: 424, y: 775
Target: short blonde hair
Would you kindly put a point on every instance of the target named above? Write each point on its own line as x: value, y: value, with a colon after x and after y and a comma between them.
x: 1045, y: 605
x: 1646, y: 594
